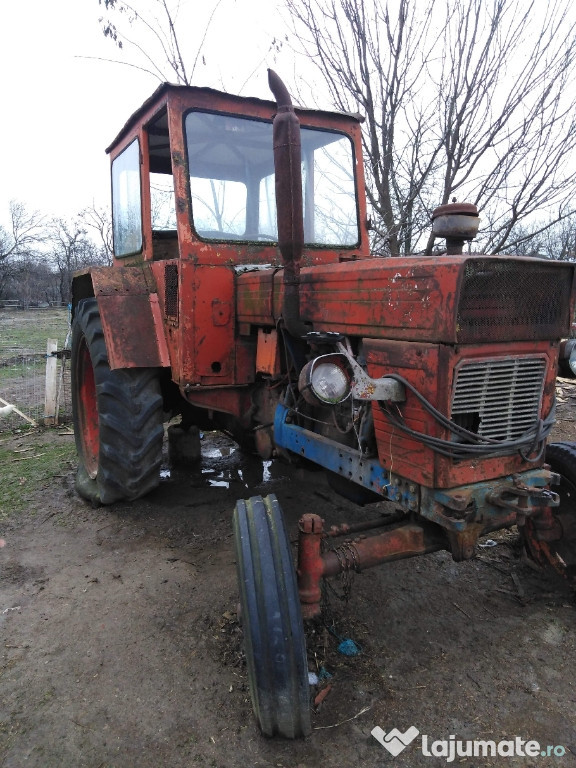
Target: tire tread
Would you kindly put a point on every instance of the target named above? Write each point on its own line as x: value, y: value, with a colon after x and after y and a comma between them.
x: 130, y: 419
x: 274, y: 634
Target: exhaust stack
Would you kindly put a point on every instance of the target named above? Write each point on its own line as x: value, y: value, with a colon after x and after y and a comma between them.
x: 289, y: 211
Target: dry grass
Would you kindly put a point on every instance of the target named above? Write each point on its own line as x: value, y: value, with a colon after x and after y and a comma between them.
x: 31, y: 460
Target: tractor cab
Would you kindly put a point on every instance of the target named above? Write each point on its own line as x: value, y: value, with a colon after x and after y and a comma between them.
x: 193, y: 178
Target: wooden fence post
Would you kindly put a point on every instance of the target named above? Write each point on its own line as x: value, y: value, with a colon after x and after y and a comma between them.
x: 50, y: 414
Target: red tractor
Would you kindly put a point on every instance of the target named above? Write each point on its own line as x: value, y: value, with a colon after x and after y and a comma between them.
x: 244, y: 297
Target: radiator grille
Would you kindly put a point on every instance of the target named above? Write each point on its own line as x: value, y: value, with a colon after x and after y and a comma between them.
x: 171, y: 291
x: 499, y: 399
x: 503, y: 300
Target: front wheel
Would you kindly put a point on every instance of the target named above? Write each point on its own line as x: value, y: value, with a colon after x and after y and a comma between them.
x: 556, y: 544
x: 271, y: 619
x: 117, y: 417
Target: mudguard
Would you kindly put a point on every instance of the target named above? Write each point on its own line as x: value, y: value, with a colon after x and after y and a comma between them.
x: 130, y: 313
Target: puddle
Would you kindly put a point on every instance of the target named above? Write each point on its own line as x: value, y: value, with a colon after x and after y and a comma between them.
x: 217, y: 479
x: 223, y: 465
x: 217, y: 453
x: 218, y: 483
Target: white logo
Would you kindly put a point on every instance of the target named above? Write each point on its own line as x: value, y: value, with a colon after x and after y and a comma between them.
x: 395, y: 741
x: 452, y: 748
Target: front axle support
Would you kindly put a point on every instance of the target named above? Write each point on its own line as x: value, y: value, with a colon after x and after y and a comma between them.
x: 356, y: 554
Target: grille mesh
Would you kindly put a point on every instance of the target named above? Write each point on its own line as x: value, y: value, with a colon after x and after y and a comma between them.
x: 503, y: 300
x: 171, y: 291
x: 499, y: 399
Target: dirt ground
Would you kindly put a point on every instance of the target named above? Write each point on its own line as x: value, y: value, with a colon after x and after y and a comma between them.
x: 121, y: 646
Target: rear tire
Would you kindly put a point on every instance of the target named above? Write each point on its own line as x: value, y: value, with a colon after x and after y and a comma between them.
x: 271, y: 619
x: 117, y: 417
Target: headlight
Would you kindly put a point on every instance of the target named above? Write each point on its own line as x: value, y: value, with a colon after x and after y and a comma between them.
x: 325, y: 379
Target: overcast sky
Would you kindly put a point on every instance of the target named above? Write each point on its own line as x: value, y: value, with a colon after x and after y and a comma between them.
x: 61, y: 110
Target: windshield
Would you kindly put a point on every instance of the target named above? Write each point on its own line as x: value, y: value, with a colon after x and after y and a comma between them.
x: 231, y: 166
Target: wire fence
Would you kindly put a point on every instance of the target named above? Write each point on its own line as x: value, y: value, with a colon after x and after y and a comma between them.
x: 23, y: 361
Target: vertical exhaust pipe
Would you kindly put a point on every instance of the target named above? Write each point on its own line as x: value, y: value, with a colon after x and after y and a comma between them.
x: 289, y: 210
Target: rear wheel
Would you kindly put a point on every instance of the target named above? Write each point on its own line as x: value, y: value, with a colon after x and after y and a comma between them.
x: 271, y: 619
x: 555, y: 544
x: 117, y: 417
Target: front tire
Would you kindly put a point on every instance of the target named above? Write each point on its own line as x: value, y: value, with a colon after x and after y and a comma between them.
x: 271, y: 619
x: 117, y: 417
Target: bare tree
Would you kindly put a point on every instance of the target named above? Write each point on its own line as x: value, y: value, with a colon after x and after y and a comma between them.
x: 167, y: 39
x: 100, y: 223
x: 544, y: 239
x: 72, y: 250
x: 152, y: 38
x: 466, y: 99
x: 34, y: 282
x: 38, y: 255
x: 20, y: 241
x: 559, y: 242
x: 23, y: 233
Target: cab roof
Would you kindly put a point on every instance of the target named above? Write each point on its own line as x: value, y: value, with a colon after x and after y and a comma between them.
x: 196, y: 96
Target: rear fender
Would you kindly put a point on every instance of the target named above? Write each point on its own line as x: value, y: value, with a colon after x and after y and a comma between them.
x: 130, y: 314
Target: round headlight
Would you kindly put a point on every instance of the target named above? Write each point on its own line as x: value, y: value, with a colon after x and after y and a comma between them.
x: 329, y: 383
x: 325, y: 380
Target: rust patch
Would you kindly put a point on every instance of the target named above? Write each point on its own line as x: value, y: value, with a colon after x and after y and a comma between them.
x: 130, y: 332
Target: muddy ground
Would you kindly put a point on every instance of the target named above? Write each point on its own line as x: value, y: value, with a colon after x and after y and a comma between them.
x: 121, y: 646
